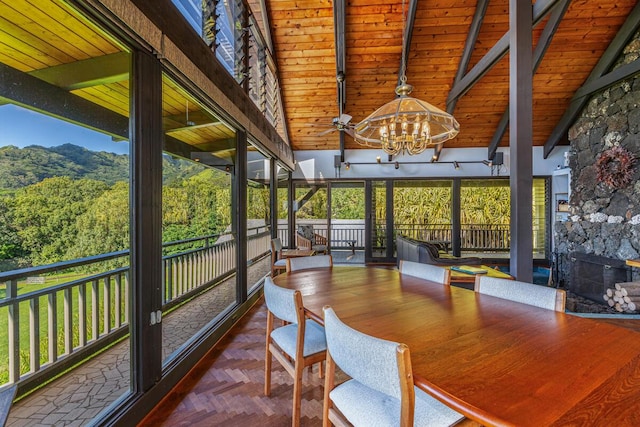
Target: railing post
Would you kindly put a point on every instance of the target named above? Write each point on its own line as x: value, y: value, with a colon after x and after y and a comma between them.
x: 52, y: 324
x: 68, y: 321
x: 14, y: 332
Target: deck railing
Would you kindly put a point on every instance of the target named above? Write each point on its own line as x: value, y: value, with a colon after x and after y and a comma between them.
x: 474, y: 237
x: 68, y: 322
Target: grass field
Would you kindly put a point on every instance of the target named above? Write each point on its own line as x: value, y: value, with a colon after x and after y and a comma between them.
x: 43, y: 324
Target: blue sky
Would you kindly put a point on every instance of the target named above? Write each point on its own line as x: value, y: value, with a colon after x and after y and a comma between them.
x: 22, y: 127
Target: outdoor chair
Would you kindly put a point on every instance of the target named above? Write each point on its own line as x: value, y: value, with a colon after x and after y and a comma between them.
x: 425, y: 271
x: 522, y: 292
x: 307, y: 262
x: 380, y: 391
x: 277, y: 264
x: 306, y: 238
x: 299, y: 343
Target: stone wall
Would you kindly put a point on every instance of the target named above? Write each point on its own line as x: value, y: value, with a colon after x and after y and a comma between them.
x: 604, y: 221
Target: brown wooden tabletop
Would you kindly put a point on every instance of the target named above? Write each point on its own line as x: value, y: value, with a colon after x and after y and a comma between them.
x: 498, y: 362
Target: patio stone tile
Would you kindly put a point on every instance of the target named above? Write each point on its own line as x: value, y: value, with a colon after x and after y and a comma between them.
x: 83, y: 393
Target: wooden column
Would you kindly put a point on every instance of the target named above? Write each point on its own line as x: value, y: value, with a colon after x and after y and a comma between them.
x: 521, y: 138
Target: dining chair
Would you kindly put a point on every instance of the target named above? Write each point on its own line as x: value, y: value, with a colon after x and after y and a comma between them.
x: 304, y: 263
x: 380, y: 390
x: 296, y: 345
x: 425, y: 271
x: 522, y: 292
x: 276, y: 262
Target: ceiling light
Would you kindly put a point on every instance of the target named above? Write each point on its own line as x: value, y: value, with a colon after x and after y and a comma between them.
x: 456, y: 165
x: 347, y: 166
x: 406, y: 124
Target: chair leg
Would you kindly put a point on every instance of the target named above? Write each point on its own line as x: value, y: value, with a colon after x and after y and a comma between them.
x: 267, y: 355
x: 328, y: 386
x: 297, y: 395
x: 267, y: 372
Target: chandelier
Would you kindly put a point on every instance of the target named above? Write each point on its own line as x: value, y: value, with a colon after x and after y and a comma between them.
x: 406, y: 124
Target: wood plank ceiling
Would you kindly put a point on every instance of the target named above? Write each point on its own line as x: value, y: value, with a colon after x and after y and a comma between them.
x: 305, y: 48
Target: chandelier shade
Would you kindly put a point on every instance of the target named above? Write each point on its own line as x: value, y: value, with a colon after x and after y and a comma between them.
x: 406, y: 124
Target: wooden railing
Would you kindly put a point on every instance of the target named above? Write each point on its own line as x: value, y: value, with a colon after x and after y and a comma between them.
x: 474, y: 237
x: 72, y: 320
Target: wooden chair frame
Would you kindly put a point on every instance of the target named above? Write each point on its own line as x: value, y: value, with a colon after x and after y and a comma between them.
x: 294, y: 367
x: 275, y: 256
x: 331, y: 415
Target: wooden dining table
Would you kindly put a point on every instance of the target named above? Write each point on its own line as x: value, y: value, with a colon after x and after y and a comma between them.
x: 497, y: 362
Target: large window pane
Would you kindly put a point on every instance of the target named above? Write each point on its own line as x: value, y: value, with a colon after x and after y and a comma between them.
x: 347, y: 222
x: 197, y: 233
x: 485, y: 216
x: 310, y: 207
x: 64, y: 198
x: 422, y: 209
x: 258, y: 217
x: 283, y: 205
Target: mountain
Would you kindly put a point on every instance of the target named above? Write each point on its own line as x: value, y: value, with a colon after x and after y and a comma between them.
x: 20, y: 167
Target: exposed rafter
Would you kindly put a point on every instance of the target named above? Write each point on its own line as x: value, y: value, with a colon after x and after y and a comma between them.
x: 581, y: 98
x: 472, y: 37
x: 88, y: 72
x: 541, y: 48
x: 497, y: 52
x: 406, y: 39
x: 341, y: 61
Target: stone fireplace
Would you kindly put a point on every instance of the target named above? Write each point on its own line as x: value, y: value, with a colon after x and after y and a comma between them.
x: 604, y: 222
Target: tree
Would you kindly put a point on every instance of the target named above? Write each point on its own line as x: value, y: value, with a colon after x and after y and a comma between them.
x: 45, y: 215
x: 104, y: 226
x: 10, y: 242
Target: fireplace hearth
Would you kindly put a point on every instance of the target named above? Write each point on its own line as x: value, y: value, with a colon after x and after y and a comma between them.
x: 592, y: 275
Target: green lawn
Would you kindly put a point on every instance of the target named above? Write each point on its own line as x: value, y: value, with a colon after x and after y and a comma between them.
x: 24, y: 310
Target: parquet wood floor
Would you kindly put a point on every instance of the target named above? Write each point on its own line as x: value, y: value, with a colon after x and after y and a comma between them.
x: 226, y: 387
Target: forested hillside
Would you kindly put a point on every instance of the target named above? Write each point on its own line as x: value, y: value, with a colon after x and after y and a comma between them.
x: 20, y: 167
x: 68, y: 202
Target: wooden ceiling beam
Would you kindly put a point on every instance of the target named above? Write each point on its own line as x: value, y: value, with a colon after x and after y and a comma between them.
x: 488, y: 61
x: 497, y: 52
x: 406, y: 40
x: 339, y: 14
x: 581, y: 98
x: 474, y: 30
x: 541, y: 48
x: 90, y: 72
